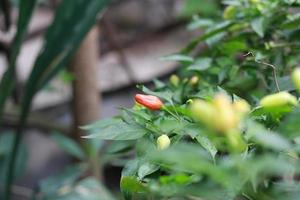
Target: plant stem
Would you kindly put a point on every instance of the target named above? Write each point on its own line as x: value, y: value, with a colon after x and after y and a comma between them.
x: 16, y: 143
x: 11, y: 167
x: 168, y: 111
x: 269, y: 65
x: 274, y: 73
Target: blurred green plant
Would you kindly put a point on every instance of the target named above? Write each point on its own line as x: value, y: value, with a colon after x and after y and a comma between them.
x: 61, y: 40
x: 231, y: 116
x: 202, y: 7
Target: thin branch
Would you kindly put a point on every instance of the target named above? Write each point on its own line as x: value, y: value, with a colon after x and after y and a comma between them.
x: 269, y: 65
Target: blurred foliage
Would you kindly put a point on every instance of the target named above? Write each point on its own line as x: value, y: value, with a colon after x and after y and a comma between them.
x: 61, y: 40
x: 203, y: 7
x: 224, y: 130
x: 6, y: 141
x: 233, y: 134
x: 65, y: 186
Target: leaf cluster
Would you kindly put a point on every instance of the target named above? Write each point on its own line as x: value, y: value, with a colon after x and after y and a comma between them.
x: 247, y: 54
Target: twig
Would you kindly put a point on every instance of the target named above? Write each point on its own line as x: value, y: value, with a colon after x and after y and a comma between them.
x: 168, y: 111
x: 269, y: 65
x: 274, y: 73
x: 288, y: 44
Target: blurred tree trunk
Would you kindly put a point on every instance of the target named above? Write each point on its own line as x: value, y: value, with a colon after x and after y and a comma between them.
x: 86, y: 98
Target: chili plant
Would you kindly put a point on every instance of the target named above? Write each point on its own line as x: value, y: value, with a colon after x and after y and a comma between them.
x: 227, y: 127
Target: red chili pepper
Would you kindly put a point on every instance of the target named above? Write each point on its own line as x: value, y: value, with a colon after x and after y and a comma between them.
x: 149, y: 101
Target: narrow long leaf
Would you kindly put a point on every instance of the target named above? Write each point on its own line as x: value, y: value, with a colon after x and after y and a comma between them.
x: 215, y: 30
x: 74, y: 18
x: 62, y: 39
x: 7, y: 82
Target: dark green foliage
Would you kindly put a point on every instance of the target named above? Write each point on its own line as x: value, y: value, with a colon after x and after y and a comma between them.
x: 248, y: 54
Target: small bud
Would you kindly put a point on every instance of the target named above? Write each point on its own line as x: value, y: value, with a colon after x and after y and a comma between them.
x: 194, y: 80
x: 229, y: 12
x: 225, y: 118
x: 278, y: 100
x: 235, y: 141
x: 296, y: 78
x: 272, y: 44
x: 149, y: 101
x: 163, y: 142
x: 174, y: 80
x: 189, y: 101
x: 203, y: 112
x: 267, y: 46
x: 260, y: 7
x: 241, y: 107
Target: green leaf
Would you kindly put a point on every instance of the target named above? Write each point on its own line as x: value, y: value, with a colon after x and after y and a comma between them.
x: 91, y: 189
x: 102, y: 124
x: 119, y: 146
x: 117, y: 131
x: 145, y: 169
x: 207, y: 145
x: 266, y: 138
x: 216, y: 29
x: 205, y: 7
x: 66, y: 178
x: 129, y: 171
x: 199, y: 23
x: 131, y: 168
x: 292, y: 23
x: 204, y: 190
x: 138, y: 113
x: 6, y: 143
x: 213, y: 41
x: 132, y: 185
x: 191, y: 129
x: 159, y: 84
x: 8, y: 79
x: 258, y: 25
x: 196, y: 161
x: 290, y: 125
x: 68, y: 145
x: 179, y: 179
x: 170, y: 125
x: 62, y: 39
x: 87, y: 189
x: 233, y: 46
x: 66, y: 76
x: 178, y: 57
x: 201, y: 64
